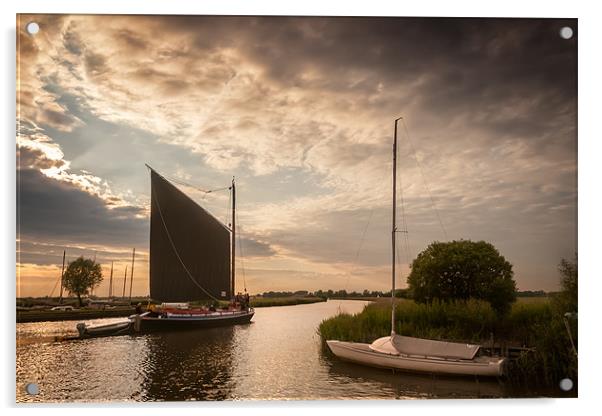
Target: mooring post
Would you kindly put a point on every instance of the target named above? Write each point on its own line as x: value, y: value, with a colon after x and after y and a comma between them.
x: 137, y: 323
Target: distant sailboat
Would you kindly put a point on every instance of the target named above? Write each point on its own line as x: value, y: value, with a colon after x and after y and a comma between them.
x: 416, y: 354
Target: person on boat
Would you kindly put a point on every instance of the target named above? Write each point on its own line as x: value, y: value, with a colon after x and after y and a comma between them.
x: 237, y: 301
x: 139, y: 308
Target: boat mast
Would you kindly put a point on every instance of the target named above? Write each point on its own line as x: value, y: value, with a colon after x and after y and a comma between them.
x: 232, y: 284
x: 62, y: 278
x: 125, y: 279
x: 394, y: 230
x: 111, y: 282
x: 132, y: 273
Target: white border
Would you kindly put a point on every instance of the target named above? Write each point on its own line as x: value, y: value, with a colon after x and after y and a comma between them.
x: 590, y: 158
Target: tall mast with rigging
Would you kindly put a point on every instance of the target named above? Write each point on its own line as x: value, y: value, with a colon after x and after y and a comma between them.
x: 394, y: 229
x: 233, y: 271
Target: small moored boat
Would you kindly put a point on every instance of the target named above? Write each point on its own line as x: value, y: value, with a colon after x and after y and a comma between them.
x: 429, y: 356
x: 416, y: 354
x: 107, y: 330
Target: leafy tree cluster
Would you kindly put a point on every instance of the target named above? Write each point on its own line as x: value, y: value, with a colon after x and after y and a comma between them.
x: 462, y: 270
x: 342, y: 293
x: 399, y: 293
x: 531, y: 294
x: 82, y: 275
x: 272, y: 294
x: 566, y: 300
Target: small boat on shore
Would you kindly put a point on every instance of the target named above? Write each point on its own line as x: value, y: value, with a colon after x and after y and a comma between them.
x: 107, y: 330
x: 416, y: 354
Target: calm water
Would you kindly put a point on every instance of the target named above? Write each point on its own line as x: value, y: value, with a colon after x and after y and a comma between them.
x: 278, y: 356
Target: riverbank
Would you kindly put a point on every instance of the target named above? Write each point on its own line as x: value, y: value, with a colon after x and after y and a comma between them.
x: 41, y: 315
x: 534, y: 324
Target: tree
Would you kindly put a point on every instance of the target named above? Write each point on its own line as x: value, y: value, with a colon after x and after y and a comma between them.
x: 568, y: 281
x: 82, y: 275
x: 461, y: 270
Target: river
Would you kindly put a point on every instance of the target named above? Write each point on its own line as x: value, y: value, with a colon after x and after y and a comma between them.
x: 278, y: 356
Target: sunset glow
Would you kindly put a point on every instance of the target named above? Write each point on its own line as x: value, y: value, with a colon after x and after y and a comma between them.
x: 300, y: 111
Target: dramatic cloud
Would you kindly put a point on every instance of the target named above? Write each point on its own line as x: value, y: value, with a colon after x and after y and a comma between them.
x: 301, y: 110
x: 50, y: 209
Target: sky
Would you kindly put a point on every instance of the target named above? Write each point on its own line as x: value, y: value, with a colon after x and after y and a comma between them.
x: 300, y: 110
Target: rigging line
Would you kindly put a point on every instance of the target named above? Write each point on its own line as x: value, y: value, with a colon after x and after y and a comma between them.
x: 55, y: 285
x: 205, y: 191
x: 399, y: 263
x: 398, y: 257
x: 357, y: 254
x: 424, y: 180
x: 405, y: 239
x: 404, y: 223
x: 229, y: 211
x: 178, y: 254
x: 242, y: 261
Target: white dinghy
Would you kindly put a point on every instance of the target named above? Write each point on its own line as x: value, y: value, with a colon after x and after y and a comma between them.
x: 416, y: 354
x: 421, y: 355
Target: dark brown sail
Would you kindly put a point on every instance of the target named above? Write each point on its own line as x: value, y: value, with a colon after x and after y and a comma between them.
x: 189, y: 248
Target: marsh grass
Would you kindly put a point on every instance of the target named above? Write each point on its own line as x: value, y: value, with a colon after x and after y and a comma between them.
x: 536, y: 324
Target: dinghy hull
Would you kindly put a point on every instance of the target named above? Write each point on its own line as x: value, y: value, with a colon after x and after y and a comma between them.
x: 117, y: 328
x: 361, y: 353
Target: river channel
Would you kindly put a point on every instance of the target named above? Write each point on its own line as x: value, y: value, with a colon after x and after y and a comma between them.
x: 279, y: 356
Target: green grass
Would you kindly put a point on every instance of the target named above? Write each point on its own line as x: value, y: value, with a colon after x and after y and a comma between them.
x: 533, y: 299
x: 532, y: 323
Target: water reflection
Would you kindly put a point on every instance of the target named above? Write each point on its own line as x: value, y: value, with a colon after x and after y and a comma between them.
x: 403, y: 385
x: 86, y: 370
x: 188, y: 365
x: 278, y: 356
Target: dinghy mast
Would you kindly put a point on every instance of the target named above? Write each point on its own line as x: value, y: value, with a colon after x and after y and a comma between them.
x: 233, y: 266
x: 394, y: 230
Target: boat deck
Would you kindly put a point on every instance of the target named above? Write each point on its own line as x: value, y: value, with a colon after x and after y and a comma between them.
x: 480, y: 359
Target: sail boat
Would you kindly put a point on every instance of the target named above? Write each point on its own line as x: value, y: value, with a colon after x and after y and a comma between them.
x: 416, y: 354
x: 192, y: 256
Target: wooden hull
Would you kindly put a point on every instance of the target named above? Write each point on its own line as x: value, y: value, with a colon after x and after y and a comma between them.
x: 362, y: 354
x: 172, y: 323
